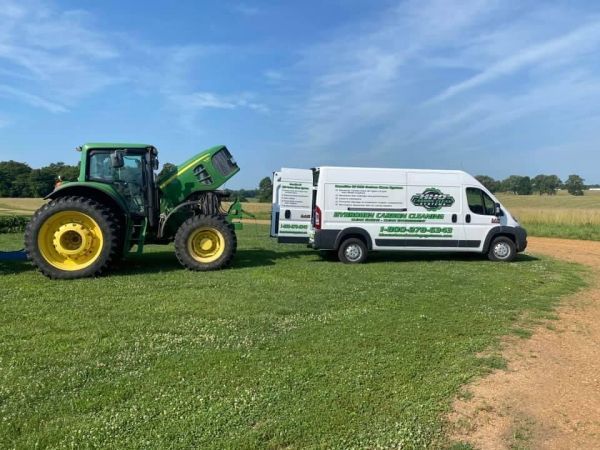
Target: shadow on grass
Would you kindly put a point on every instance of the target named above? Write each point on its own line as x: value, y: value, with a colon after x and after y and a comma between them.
x: 438, y: 256
x: 166, y: 261
x: 15, y: 267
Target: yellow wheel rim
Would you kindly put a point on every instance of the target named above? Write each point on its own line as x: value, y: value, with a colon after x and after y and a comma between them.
x: 206, y: 245
x: 70, y: 240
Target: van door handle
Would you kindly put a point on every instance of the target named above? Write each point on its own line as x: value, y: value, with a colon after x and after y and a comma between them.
x: 468, y: 218
x: 454, y: 218
x: 287, y: 214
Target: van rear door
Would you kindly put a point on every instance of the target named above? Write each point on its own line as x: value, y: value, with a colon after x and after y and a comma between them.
x: 292, y: 205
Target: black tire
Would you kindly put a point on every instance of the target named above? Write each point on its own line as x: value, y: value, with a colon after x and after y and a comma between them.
x: 107, y: 252
x: 352, y: 251
x: 186, y: 244
x: 502, y: 249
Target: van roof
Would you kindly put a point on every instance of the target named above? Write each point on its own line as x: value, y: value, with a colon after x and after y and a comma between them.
x: 459, y: 175
x: 461, y: 172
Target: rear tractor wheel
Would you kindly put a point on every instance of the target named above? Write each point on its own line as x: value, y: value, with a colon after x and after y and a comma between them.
x: 72, y: 237
x: 205, y: 243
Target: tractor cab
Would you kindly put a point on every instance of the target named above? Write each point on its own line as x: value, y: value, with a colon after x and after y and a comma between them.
x: 129, y: 169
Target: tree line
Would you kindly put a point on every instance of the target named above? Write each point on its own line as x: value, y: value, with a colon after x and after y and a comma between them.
x: 540, y: 184
x: 18, y: 179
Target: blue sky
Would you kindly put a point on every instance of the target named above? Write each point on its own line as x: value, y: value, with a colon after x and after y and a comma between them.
x: 494, y: 87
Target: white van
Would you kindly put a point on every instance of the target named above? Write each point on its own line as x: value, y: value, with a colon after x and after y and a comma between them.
x: 353, y: 211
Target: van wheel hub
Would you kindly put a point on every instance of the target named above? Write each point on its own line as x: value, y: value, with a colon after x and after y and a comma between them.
x: 353, y: 252
x: 501, y: 250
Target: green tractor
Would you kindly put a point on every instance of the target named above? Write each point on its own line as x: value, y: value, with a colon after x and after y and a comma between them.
x: 118, y: 202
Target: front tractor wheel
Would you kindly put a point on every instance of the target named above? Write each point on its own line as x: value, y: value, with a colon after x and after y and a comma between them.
x: 72, y: 237
x: 205, y: 243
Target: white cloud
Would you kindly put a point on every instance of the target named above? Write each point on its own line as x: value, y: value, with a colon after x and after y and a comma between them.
x: 53, y: 59
x: 274, y: 75
x: 568, y: 46
x: 358, y: 78
x: 245, y: 9
x: 31, y: 99
x: 206, y: 100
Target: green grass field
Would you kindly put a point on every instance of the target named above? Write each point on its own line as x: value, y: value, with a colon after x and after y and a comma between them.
x: 283, y: 350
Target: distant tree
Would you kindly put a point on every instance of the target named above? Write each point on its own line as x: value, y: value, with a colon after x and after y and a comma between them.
x: 41, y: 182
x: 14, y: 179
x: 539, y: 184
x: 554, y: 184
x: 265, y: 190
x: 64, y: 171
x: 575, y: 185
x: 546, y: 184
x: 511, y: 184
x: 167, y: 169
x: 491, y: 184
x: 524, y: 187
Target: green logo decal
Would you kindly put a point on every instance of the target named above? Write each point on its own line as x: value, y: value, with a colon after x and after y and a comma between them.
x: 432, y: 199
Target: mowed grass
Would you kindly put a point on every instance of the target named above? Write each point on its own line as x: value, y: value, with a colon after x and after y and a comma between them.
x: 19, y: 206
x: 283, y: 350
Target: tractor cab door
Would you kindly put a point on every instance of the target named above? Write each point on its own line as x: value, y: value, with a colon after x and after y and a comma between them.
x: 128, y: 177
x: 292, y: 205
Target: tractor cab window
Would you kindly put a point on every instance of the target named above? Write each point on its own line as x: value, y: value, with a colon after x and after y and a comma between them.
x: 128, y: 180
x: 480, y: 203
x: 100, y: 167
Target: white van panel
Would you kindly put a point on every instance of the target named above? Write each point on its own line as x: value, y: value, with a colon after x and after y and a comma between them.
x: 434, y: 179
x: 292, y: 205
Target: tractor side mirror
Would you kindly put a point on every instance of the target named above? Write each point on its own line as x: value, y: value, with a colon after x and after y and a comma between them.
x: 116, y: 160
x: 155, y: 164
x: 498, y: 210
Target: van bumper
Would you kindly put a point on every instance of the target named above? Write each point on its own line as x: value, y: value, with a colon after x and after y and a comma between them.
x: 521, y: 238
x: 325, y: 239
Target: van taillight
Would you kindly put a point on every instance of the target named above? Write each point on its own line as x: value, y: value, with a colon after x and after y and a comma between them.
x: 317, y: 218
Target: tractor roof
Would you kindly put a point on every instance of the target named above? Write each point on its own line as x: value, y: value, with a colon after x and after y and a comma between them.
x: 115, y: 145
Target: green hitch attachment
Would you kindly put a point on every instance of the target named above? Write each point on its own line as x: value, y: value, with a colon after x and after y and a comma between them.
x: 236, y: 213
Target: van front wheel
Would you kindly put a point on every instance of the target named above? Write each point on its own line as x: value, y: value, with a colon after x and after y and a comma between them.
x: 352, y: 251
x: 502, y: 249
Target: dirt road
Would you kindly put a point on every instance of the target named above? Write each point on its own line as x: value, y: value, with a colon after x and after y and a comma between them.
x: 549, y: 398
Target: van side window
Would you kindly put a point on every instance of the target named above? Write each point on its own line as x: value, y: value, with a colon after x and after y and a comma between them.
x: 489, y: 204
x: 480, y: 203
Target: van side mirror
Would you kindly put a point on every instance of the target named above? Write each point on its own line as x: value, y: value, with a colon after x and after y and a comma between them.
x: 498, y: 210
x: 116, y: 160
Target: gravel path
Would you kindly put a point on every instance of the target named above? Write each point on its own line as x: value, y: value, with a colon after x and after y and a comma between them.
x: 549, y: 398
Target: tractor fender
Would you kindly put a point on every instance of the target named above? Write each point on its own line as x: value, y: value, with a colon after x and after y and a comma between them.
x: 100, y: 192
